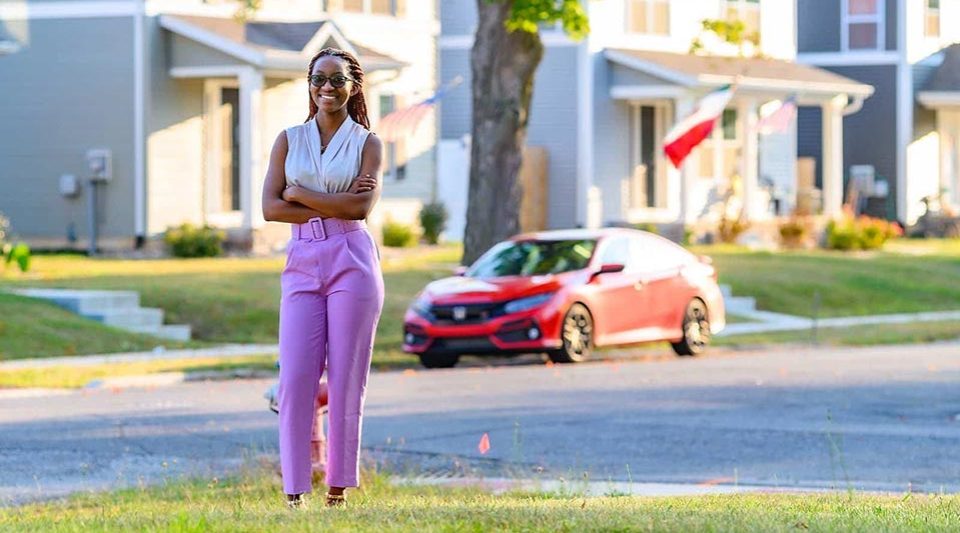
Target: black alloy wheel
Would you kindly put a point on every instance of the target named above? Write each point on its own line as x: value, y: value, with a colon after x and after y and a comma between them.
x: 577, y: 336
x: 696, y: 330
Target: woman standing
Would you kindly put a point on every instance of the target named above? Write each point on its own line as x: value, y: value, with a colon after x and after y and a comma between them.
x: 321, y: 179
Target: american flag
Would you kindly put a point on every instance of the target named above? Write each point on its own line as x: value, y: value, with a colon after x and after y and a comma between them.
x: 779, y: 119
x: 404, y: 122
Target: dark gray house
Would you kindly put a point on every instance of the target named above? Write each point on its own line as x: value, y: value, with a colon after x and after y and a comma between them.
x: 904, y: 144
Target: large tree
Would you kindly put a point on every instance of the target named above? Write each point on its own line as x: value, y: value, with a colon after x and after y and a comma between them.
x: 506, y: 52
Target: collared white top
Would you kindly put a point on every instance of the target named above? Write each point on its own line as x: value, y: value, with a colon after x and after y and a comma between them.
x: 334, y: 169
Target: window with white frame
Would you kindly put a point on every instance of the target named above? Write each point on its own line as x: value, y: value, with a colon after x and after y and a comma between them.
x: 746, y: 11
x: 394, y: 165
x: 931, y: 26
x: 651, y: 17
x: 720, y: 152
x: 863, y: 24
x: 395, y: 8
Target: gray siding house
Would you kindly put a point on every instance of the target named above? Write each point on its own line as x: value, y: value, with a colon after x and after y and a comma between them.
x: 907, y: 135
x: 602, y: 106
x: 187, y: 101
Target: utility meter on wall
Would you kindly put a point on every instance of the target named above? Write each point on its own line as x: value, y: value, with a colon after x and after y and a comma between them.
x: 100, y: 164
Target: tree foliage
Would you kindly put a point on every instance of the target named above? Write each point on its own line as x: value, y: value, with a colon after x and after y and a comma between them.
x: 529, y: 15
x: 733, y: 32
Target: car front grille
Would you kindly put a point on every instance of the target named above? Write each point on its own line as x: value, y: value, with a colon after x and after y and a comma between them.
x: 467, y: 314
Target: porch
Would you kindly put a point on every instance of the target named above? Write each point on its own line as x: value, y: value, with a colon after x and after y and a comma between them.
x: 738, y: 172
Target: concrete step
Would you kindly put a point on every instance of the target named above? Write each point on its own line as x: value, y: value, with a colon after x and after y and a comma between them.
x: 726, y: 291
x: 85, y: 302
x: 740, y: 304
x: 130, y: 318
x: 175, y: 332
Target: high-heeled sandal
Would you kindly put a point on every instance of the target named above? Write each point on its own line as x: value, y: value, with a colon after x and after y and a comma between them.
x: 336, y: 500
x: 296, y: 501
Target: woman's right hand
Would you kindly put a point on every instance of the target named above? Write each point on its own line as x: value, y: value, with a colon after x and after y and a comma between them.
x: 365, y: 183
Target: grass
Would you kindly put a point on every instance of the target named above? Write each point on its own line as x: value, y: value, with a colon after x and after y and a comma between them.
x: 908, y: 276
x: 224, y: 299
x: 252, y: 502
x: 72, y: 377
x: 30, y: 327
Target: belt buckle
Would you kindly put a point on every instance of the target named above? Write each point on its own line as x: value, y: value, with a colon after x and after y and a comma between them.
x: 319, y: 232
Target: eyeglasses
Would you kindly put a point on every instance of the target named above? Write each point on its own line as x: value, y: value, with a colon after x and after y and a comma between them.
x: 337, y: 80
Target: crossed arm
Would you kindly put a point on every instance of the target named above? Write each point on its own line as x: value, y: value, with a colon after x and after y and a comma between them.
x: 297, y: 205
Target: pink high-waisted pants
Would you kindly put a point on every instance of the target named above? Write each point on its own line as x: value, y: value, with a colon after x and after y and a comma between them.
x: 332, y: 295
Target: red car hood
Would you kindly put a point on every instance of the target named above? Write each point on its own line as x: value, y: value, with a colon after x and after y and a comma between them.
x: 473, y: 290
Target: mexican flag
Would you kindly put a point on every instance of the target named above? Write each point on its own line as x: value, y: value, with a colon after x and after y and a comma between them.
x: 689, y: 132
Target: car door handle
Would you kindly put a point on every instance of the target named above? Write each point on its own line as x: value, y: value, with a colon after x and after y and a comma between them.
x: 639, y: 285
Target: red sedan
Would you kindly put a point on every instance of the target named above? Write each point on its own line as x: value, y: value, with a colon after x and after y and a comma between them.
x: 565, y: 293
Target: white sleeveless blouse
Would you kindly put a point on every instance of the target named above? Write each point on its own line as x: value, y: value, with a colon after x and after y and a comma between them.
x: 334, y: 169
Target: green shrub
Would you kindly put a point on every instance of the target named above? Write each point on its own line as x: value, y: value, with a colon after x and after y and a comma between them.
x: 188, y: 240
x: 433, y: 220
x: 649, y: 227
x: 861, y: 233
x: 729, y: 229
x: 13, y: 252
x: 397, y: 235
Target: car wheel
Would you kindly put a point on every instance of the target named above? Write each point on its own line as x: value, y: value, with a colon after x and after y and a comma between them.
x: 696, y: 330
x: 439, y: 360
x: 577, y: 336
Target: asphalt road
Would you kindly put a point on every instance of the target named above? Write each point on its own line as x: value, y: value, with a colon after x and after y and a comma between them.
x: 883, y: 418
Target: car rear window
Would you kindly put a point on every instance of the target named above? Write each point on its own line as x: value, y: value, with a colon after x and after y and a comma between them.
x: 532, y: 258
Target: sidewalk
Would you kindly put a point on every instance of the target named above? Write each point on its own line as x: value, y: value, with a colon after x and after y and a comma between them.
x: 228, y: 350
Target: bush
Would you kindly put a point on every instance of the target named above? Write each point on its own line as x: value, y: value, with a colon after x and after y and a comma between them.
x: 433, y: 220
x: 397, y: 235
x: 793, y: 233
x: 649, y: 227
x: 861, y: 233
x: 13, y: 252
x: 188, y: 240
x: 729, y: 229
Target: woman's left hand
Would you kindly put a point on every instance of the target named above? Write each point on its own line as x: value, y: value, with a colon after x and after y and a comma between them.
x: 290, y: 193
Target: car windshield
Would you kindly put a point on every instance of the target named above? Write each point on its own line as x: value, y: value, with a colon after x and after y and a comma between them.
x: 532, y: 258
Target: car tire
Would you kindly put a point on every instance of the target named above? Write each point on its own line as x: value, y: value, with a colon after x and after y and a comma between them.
x: 576, y: 335
x: 439, y: 360
x: 696, y: 330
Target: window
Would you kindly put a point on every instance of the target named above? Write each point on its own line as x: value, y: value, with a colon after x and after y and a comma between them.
x: 617, y: 252
x: 720, y: 152
x: 394, y: 165
x: 373, y: 7
x: 746, y: 11
x: 863, y: 24
x: 648, y: 16
x: 532, y: 258
x: 931, y: 26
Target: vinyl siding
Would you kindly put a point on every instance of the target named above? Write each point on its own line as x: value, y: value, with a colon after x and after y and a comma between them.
x: 69, y: 90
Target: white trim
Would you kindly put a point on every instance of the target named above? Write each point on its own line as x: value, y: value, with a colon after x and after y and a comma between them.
x: 786, y: 84
x: 649, y: 67
x: 904, y: 111
x: 851, y: 58
x: 207, y: 71
x: 326, y: 31
x: 139, y: 118
x: 651, y: 17
x: 213, y: 150
x: 251, y: 147
x: 62, y: 10
x: 9, y: 47
x: 879, y: 18
x: 584, y: 132
x: 933, y: 99
x: 645, y: 92
x: 212, y: 40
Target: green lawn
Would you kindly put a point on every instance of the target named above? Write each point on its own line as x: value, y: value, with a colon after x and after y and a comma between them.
x: 908, y: 276
x: 225, y: 300
x: 869, y: 335
x: 252, y: 502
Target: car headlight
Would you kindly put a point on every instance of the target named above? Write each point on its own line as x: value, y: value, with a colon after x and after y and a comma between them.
x: 421, y: 306
x: 523, y: 304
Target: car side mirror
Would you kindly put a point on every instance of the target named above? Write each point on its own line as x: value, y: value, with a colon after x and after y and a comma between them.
x: 460, y: 270
x: 608, y: 268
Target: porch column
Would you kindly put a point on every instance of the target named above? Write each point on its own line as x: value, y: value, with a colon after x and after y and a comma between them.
x: 749, y: 158
x: 683, y: 106
x: 251, y: 147
x: 833, y: 155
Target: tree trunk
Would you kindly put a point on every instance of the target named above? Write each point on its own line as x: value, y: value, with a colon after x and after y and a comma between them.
x: 503, y: 65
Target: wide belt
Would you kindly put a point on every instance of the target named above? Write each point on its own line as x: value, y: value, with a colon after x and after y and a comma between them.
x: 321, y: 228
